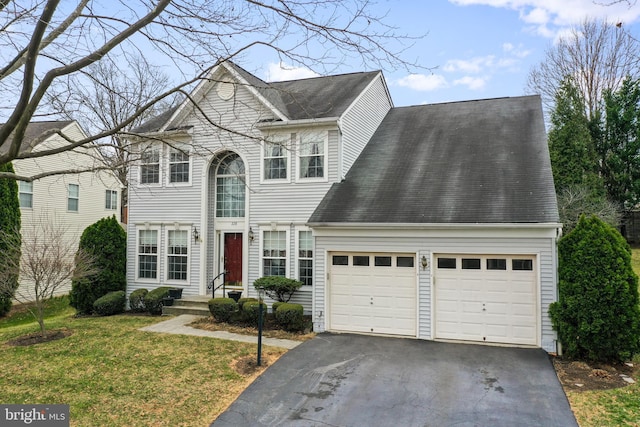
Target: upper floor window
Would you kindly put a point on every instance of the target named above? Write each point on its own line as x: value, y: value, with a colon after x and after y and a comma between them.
x: 178, y: 166
x: 230, y: 187
x: 312, y: 163
x: 111, y: 200
x: 150, y: 165
x: 25, y: 194
x: 275, y: 161
x: 73, y: 197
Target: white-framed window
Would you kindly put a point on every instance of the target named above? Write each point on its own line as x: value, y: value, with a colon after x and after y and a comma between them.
x: 275, y: 161
x: 177, y: 254
x: 111, y: 200
x: 179, y: 165
x: 274, y: 253
x: 73, y: 197
x: 150, y: 164
x: 230, y: 187
x: 25, y: 194
x: 147, y: 254
x: 311, y: 157
x: 304, y: 246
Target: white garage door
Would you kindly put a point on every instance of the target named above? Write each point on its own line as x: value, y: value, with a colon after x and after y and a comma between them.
x: 372, y: 293
x: 489, y: 298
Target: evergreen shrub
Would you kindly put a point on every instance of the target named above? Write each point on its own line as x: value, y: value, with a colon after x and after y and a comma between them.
x: 111, y: 303
x: 290, y: 316
x: 222, y: 308
x: 153, y: 299
x: 136, y: 300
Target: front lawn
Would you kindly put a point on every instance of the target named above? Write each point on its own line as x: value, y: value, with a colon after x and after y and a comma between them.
x: 615, y: 407
x: 112, y: 374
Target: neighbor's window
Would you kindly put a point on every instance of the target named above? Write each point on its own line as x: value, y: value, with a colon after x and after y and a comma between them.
x: 230, y: 187
x: 148, y: 254
x: 305, y: 257
x: 25, y: 194
x: 274, y: 253
x: 177, y: 254
x: 72, y: 197
x: 311, y: 159
x: 150, y: 165
x: 178, y: 166
x: 275, y: 161
x: 111, y: 200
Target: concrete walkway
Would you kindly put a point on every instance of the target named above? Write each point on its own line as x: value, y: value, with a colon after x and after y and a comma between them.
x: 178, y: 325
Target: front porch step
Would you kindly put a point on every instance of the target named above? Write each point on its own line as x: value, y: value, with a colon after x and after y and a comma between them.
x: 198, y: 305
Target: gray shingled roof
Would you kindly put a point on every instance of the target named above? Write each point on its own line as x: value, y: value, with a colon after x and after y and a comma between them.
x: 481, y: 161
x: 312, y: 98
x: 33, y: 131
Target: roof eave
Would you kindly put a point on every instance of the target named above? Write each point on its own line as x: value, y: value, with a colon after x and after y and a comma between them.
x: 324, y: 121
x: 434, y: 226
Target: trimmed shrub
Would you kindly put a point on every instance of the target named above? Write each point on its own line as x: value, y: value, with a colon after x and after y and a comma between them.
x: 290, y: 316
x: 596, y: 315
x: 278, y: 288
x: 136, y: 300
x: 250, y: 311
x: 111, y: 303
x: 241, y: 302
x: 106, y: 241
x: 10, y: 243
x: 153, y: 299
x: 275, y: 306
x: 222, y: 308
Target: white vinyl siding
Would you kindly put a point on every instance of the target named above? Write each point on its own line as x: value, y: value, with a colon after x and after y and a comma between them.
x: 25, y: 194
x: 73, y: 197
x: 361, y: 121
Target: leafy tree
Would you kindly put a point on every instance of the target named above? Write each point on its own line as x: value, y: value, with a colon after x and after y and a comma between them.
x: 9, y: 226
x: 618, y: 144
x: 106, y: 241
x: 571, y: 147
x: 596, y: 316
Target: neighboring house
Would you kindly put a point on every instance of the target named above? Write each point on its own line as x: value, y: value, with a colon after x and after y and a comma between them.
x: 435, y: 222
x: 71, y: 202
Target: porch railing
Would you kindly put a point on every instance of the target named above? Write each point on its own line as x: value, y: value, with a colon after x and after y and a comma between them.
x: 213, y: 286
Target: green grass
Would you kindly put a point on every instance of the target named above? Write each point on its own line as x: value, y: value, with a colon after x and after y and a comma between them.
x: 617, y: 407
x: 112, y: 374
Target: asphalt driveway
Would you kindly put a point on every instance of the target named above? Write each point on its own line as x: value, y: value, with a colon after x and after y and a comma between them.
x: 357, y: 380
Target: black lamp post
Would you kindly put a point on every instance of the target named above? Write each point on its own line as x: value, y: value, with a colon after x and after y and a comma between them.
x: 260, y: 299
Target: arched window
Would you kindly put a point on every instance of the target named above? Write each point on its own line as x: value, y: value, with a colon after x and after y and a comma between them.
x: 230, y: 187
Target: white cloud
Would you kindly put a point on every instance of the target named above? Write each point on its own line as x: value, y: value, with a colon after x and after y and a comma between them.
x: 516, y: 51
x: 547, y: 17
x: 281, y: 71
x: 473, y: 65
x: 423, y: 82
x: 472, y: 83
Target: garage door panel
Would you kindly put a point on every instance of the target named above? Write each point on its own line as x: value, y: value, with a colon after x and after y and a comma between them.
x: 383, y: 296
x: 494, y: 305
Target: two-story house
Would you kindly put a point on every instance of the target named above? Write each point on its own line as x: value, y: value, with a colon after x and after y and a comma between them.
x: 69, y: 202
x: 435, y: 221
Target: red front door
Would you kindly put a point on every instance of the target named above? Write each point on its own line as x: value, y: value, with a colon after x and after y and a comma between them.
x: 233, y: 258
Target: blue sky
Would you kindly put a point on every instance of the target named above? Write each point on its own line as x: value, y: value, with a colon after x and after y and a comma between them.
x: 474, y: 48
